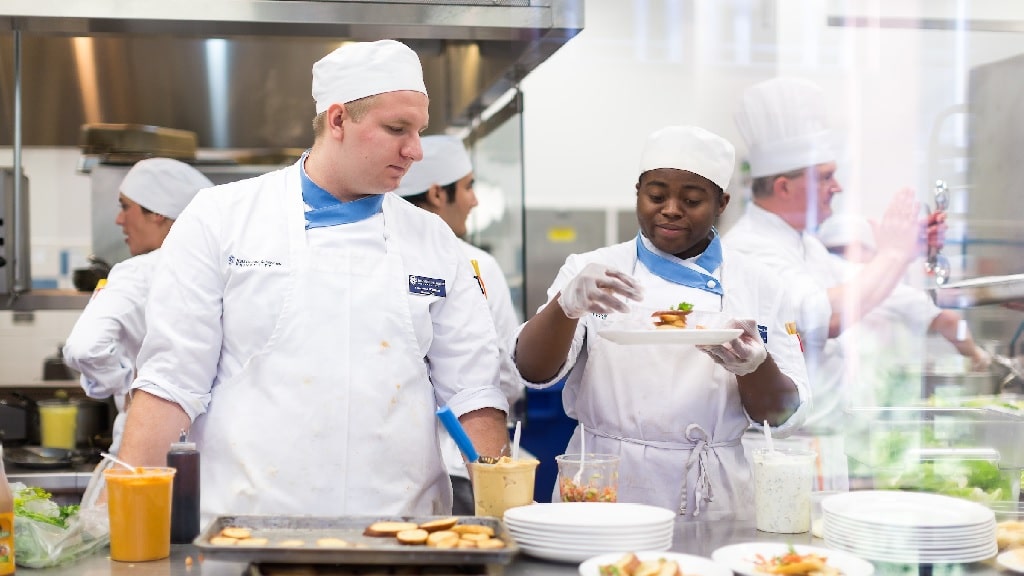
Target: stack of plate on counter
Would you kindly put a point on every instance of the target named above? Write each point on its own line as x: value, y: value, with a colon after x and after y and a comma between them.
x: 909, y: 527
x: 575, y: 531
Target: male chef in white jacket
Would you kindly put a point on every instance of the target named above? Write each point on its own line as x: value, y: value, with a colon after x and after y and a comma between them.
x: 307, y: 324
x: 891, y: 337
x: 673, y: 412
x: 105, y: 340
x: 442, y: 183
x: 793, y: 162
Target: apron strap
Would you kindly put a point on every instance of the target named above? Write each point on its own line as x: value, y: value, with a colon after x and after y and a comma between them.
x: 698, y: 446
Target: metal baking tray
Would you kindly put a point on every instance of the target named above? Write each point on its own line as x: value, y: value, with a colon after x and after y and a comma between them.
x: 980, y: 291
x: 361, y: 549
x: 367, y: 570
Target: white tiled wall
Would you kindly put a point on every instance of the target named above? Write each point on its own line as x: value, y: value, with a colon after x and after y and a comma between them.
x: 26, y: 339
x: 60, y: 221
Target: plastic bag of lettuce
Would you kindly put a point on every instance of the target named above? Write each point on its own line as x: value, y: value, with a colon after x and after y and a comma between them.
x: 46, y: 534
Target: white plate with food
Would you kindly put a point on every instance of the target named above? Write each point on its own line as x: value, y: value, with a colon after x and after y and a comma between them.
x: 1012, y: 560
x: 687, y: 563
x: 655, y: 336
x: 761, y: 558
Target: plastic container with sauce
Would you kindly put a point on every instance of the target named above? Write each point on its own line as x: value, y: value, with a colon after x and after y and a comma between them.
x: 58, y: 424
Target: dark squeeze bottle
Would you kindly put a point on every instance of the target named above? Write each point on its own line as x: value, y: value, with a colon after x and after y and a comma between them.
x: 184, y: 458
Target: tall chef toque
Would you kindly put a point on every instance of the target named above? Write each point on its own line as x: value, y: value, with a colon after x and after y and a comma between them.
x: 163, y: 185
x: 445, y: 160
x: 692, y: 149
x: 364, y: 69
x: 783, y: 122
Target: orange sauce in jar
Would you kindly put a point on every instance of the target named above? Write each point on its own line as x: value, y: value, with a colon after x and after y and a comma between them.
x: 139, y: 506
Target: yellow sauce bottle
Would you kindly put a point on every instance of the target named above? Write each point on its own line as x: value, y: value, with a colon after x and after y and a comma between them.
x: 6, y: 522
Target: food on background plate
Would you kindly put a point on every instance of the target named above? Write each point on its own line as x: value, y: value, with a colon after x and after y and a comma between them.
x: 570, y: 491
x: 630, y: 565
x: 674, y: 317
x: 388, y: 529
x: 1010, y: 534
x: 794, y: 563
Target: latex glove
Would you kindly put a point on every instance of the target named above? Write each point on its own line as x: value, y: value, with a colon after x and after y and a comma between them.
x: 599, y: 289
x: 980, y: 360
x: 743, y: 354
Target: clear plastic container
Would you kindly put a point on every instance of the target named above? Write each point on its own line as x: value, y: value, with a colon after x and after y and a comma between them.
x: 973, y: 453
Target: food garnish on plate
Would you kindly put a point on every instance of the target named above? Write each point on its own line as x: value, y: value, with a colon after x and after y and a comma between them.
x: 674, y: 317
x: 795, y: 563
x: 630, y: 565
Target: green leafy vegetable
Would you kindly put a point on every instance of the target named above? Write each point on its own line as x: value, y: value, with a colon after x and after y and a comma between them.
x: 683, y: 307
x: 34, y: 503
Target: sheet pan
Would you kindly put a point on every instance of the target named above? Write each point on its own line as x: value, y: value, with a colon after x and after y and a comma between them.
x: 360, y: 549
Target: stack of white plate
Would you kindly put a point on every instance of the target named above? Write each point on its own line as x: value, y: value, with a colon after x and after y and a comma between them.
x: 909, y: 527
x: 575, y: 531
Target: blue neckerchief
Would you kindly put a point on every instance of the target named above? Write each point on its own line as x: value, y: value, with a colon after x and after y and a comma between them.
x: 326, y: 210
x: 664, y: 268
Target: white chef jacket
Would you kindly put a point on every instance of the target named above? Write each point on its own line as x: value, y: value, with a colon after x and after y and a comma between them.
x: 216, y: 302
x: 806, y: 268
x: 669, y: 411
x: 499, y: 300
x: 105, y: 341
x: 887, y: 340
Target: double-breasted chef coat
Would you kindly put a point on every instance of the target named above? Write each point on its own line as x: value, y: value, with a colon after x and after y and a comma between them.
x: 312, y: 361
x: 499, y: 301
x: 805, y: 265
x: 106, y: 338
x: 672, y: 415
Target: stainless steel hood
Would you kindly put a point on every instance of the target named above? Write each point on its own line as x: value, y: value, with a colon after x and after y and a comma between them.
x: 237, y: 72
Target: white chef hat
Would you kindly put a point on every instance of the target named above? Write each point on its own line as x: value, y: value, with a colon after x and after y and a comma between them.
x: 783, y: 122
x: 844, y: 229
x: 362, y: 69
x: 692, y: 149
x: 445, y: 160
x: 163, y: 185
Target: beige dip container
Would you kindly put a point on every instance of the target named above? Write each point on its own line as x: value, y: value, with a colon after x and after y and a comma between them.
x: 507, y: 484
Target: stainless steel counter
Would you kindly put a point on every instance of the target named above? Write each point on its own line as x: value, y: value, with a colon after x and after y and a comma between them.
x: 700, y: 538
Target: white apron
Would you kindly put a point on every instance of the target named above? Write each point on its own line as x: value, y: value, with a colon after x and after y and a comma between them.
x: 335, y: 416
x: 672, y: 415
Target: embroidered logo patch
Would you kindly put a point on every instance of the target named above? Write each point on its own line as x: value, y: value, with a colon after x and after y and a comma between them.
x: 426, y: 286
x: 763, y: 330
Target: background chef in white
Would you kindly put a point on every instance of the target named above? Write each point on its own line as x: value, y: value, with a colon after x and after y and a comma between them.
x: 890, y: 338
x: 309, y: 324
x: 442, y: 183
x: 793, y: 162
x: 105, y: 341
x: 673, y: 413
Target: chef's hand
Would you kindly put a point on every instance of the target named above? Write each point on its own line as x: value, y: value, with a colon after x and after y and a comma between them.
x: 743, y: 354
x: 599, y: 289
x: 935, y: 231
x: 980, y: 360
x: 900, y: 229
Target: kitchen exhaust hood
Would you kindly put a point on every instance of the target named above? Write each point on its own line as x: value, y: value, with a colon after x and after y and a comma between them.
x: 237, y: 72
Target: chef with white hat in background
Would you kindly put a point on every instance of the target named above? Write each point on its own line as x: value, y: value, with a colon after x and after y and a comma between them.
x: 442, y: 183
x: 674, y: 414
x: 306, y: 324
x: 105, y: 340
x: 890, y: 338
x: 793, y: 164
